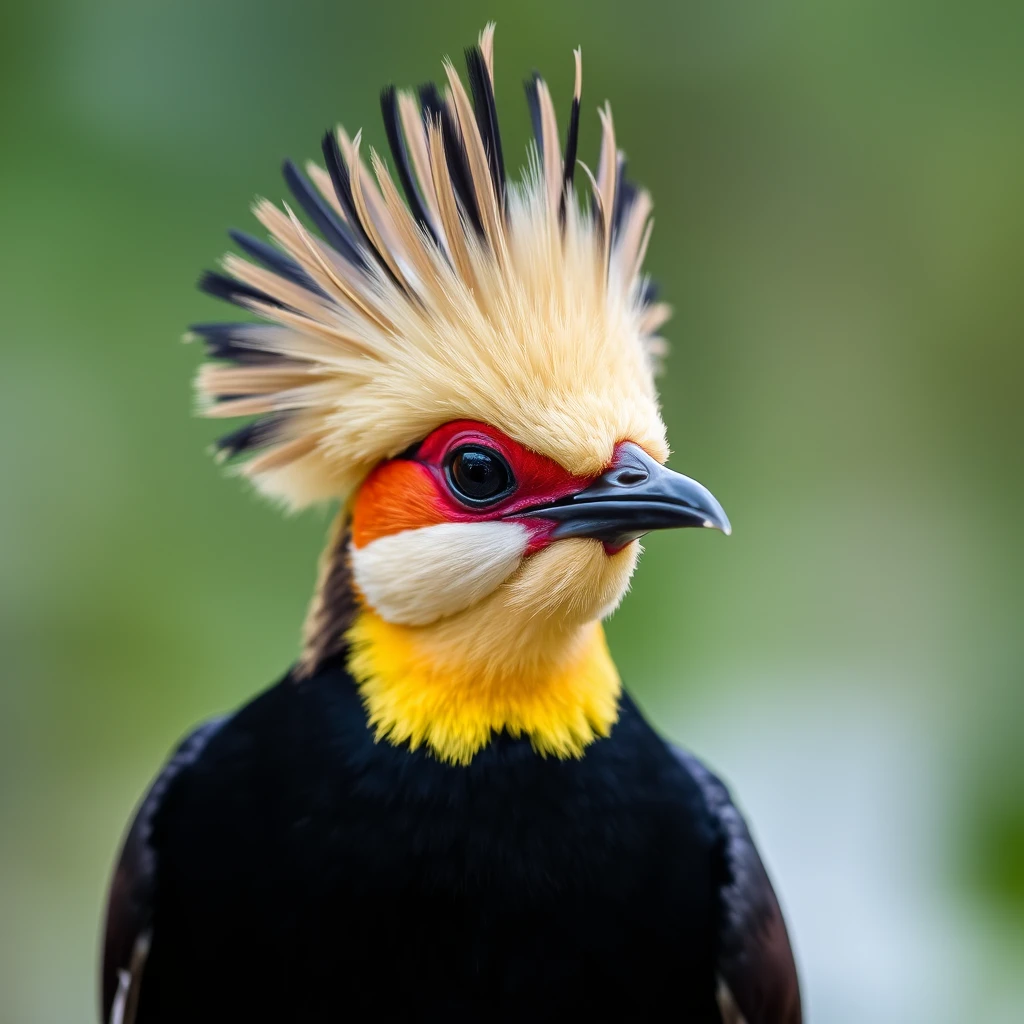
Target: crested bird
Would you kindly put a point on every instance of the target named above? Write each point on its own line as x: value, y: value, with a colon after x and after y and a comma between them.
x: 448, y: 808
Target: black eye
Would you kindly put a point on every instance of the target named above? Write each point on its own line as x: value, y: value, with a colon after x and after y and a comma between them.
x: 478, y: 475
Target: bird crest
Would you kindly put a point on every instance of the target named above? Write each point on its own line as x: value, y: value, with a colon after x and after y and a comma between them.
x: 381, y: 318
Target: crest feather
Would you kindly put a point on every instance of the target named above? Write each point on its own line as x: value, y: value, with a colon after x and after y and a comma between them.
x: 472, y: 297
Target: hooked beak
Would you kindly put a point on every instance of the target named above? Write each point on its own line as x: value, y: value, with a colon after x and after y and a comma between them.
x: 632, y: 498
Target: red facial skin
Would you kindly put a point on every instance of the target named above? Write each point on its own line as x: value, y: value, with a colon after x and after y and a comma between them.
x: 409, y: 493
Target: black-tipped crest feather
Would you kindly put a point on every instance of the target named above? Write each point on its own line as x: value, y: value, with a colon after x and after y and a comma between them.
x: 273, y: 259
x: 454, y: 151
x: 221, y: 286
x: 226, y: 342
x: 487, y: 118
x: 625, y: 193
x: 329, y: 224
x: 571, y: 146
x: 400, y: 153
x: 341, y: 179
x: 648, y: 292
x: 533, y: 101
x: 260, y: 433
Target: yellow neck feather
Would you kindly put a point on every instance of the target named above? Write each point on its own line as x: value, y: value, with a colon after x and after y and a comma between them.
x: 453, y: 703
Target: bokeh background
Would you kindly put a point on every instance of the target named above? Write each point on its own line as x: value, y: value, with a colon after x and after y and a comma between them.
x: 840, y: 226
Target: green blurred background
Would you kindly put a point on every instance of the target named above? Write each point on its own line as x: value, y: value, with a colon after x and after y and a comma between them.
x: 840, y: 226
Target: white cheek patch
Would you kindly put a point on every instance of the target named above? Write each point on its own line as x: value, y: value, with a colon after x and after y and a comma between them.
x: 419, y: 576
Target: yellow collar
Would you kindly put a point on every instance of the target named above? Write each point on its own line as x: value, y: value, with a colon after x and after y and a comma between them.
x: 421, y: 688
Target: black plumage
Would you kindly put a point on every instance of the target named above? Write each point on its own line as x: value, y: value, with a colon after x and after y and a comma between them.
x: 285, y: 866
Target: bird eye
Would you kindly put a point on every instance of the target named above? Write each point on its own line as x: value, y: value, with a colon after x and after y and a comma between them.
x: 478, y: 475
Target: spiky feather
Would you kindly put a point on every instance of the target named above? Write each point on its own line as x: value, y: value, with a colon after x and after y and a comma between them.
x: 482, y: 298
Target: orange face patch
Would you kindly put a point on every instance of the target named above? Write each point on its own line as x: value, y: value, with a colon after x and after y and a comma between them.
x: 396, y: 496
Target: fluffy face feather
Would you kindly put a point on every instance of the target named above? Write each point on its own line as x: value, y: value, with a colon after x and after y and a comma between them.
x: 422, y: 551
x: 421, y: 575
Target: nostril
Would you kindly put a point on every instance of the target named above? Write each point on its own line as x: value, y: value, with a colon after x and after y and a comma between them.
x: 630, y: 476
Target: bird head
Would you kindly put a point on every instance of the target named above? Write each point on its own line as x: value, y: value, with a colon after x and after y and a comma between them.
x: 469, y: 372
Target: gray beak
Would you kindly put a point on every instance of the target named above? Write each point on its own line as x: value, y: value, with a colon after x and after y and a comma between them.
x: 634, y: 497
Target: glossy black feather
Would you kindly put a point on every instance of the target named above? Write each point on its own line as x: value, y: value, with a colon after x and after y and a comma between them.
x: 334, y: 230
x: 304, y: 871
x: 132, y: 897
x: 403, y: 164
x: 435, y: 109
x: 487, y: 118
x: 755, y: 958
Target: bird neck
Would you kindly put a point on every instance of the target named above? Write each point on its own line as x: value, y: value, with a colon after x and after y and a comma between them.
x: 452, y: 686
x: 530, y: 659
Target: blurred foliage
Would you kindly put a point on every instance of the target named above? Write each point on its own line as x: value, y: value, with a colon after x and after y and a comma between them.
x: 840, y: 226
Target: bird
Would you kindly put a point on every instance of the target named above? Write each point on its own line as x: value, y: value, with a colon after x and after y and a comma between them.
x: 449, y: 808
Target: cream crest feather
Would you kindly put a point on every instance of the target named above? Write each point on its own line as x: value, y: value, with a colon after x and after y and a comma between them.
x: 471, y: 298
